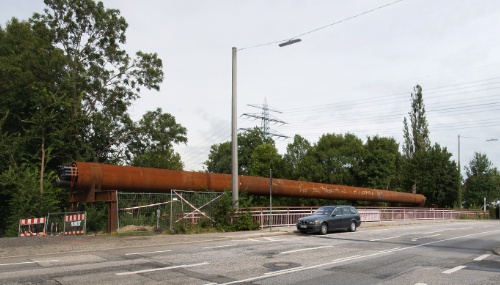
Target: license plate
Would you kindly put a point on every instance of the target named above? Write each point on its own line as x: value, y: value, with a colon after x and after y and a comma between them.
x: 303, y: 226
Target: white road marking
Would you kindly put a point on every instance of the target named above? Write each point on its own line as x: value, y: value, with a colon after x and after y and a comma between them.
x: 272, y: 239
x: 163, y: 268
x: 449, y: 271
x: 421, y: 284
x: 210, y: 247
x: 304, y: 249
x: 415, y: 239
x: 481, y: 257
x: 28, y: 262
x: 283, y: 271
x: 389, y: 250
x: 384, y: 238
x: 359, y: 257
x: 147, y: 252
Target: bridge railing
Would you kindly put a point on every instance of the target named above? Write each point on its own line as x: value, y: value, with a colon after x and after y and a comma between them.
x: 288, y: 216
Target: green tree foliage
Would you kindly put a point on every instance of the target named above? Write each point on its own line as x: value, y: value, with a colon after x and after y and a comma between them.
x: 66, y: 88
x: 25, y: 201
x: 264, y: 158
x: 151, y: 143
x: 427, y: 170
x: 436, y: 175
x: 104, y: 80
x: 32, y: 104
x: 482, y: 181
x: 335, y: 159
x: 293, y: 160
x: 219, y: 158
x: 248, y: 142
x: 380, y: 167
x: 416, y: 136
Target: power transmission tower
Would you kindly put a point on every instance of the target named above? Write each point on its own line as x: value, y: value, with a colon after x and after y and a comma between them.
x: 266, y: 120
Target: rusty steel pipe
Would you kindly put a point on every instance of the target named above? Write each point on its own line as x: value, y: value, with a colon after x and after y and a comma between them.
x: 86, y: 176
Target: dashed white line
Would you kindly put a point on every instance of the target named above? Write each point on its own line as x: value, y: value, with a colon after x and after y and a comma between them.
x: 415, y: 239
x: 304, y: 249
x: 384, y: 238
x: 28, y: 262
x: 219, y: 246
x: 147, y: 252
x: 279, y: 272
x: 163, y: 268
x: 449, y: 271
x: 481, y: 257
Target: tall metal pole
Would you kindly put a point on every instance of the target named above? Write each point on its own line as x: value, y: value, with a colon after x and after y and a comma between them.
x: 270, y: 199
x: 459, y: 177
x: 234, y: 140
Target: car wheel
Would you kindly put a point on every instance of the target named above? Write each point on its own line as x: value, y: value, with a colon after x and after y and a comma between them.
x: 353, y: 227
x: 323, y: 230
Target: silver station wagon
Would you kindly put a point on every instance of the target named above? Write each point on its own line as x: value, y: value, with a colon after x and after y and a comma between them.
x: 330, y: 218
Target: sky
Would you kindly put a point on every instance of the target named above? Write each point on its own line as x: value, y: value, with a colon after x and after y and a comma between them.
x: 353, y: 72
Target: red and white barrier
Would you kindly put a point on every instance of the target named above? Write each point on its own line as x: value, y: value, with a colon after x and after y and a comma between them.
x: 75, y: 224
x: 76, y: 217
x: 30, y: 224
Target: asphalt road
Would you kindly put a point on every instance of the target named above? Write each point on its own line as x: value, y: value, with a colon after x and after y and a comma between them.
x: 458, y: 252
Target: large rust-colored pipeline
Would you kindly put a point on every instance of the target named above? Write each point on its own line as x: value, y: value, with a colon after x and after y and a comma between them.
x: 85, y: 176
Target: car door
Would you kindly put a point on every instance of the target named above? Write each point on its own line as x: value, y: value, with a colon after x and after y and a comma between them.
x: 335, y: 220
x: 346, y: 218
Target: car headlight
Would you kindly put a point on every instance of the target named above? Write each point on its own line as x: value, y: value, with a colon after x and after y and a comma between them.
x: 313, y: 222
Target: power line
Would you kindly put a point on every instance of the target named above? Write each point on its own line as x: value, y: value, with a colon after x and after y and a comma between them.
x: 324, y: 27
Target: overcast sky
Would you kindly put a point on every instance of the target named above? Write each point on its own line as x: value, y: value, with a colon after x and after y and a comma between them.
x: 354, y: 75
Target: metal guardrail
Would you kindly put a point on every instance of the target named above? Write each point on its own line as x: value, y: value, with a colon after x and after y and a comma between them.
x: 288, y: 216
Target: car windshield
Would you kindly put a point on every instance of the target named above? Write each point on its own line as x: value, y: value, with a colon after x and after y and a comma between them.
x: 323, y: 211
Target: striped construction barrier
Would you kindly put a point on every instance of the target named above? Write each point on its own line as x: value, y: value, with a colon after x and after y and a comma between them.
x: 76, y: 217
x: 32, y: 227
x: 75, y: 223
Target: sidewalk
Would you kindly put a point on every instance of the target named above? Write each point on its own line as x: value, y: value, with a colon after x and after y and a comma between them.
x: 40, y: 246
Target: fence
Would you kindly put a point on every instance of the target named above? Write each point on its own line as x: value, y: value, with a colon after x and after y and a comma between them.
x: 67, y: 223
x: 150, y: 211
x: 32, y: 227
x: 288, y: 216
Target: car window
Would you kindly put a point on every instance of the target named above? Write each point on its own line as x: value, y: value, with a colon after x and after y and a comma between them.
x: 353, y: 210
x: 323, y: 211
x: 337, y: 211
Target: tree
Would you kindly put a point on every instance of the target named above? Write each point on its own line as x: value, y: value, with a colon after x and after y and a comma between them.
x: 437, y: 176
x: 264, y: 158
x: 416, y: 136
x: 293, y: 160
x: 248, y: 142
x: 482, y: 181
x: 219, y: 158
x: 151, y: 143
x: 104, y: 80
x: 32, y: 114
x: 335, y: 159
x: 380, y: 166
x: 21, y: 182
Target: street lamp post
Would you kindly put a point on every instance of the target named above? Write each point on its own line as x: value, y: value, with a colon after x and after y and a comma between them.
x: 234, y: 125
x: 234, y: 138
x: 459, y: 177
